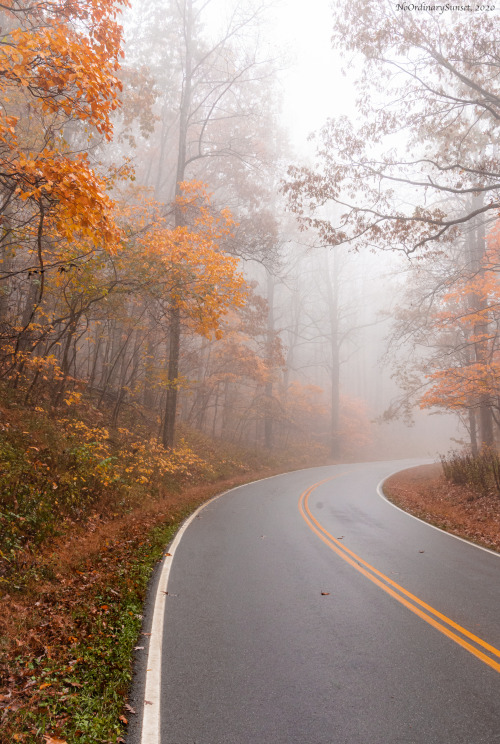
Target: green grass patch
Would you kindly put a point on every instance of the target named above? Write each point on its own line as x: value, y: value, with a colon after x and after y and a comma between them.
x: 79, y: 689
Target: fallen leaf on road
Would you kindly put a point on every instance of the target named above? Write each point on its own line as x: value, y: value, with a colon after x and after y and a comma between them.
x: 138, y: 648
x: 129, y: 708
x: 147, y: 702
x: 123, y: 719
x: 325, y: 594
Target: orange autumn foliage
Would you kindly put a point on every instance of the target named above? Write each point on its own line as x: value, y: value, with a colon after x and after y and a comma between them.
x: 58, y: 65
x: 470, y: 312
x: 186, y: 266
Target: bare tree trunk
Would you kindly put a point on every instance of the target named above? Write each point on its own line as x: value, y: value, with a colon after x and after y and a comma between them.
x: 216, y: 409
x: 268, y: 389
x: 66, y: 359
x: 168, y: 436
x: 115, y: 351
x: 168, y: 433
x: 480, y: 305
x: 333, y: 312
x: 97, y: 354
x: 473, y: 431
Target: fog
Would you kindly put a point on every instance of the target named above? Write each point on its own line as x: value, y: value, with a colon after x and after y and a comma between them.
x: 219, y: 166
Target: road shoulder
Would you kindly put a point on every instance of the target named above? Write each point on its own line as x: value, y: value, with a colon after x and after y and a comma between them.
x: 424, y: 492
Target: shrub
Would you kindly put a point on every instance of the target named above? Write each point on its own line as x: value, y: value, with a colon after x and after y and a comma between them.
x: 481, y: 471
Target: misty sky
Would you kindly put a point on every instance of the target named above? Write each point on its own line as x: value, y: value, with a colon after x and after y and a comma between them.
x: 314, y: 86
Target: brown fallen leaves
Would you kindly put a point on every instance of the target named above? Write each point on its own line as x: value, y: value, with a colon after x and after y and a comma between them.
x: 424, y: 492
x: 37, y: 624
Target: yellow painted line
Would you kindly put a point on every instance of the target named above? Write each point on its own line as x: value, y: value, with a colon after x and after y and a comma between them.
x: 401, y: 589
x: 392, y: 588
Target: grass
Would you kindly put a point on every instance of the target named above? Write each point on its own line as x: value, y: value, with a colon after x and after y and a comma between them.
x: 74, y: 686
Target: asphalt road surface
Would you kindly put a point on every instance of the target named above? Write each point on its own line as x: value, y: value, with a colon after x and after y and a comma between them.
x: 324, y: 615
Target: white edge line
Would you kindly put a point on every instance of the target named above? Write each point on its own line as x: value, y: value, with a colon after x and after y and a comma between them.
x: 150, y: 733
x: 382, y: 495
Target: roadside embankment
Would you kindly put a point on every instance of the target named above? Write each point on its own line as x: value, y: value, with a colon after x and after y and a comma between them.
x: 85, y: 514
x: 424, y: 492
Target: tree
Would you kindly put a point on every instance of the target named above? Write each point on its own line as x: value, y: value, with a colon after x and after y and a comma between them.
x: 469, y: 310
x: 202, y: 281
x: 58, y: 65
x: 429, y: 107
x: 446, y: 335
x: 202, y: 86
x: 232, y: 374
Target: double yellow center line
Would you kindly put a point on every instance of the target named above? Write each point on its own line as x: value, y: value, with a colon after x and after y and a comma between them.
x: 435, y: 618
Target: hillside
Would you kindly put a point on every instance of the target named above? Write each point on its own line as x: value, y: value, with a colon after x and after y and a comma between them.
x: 86, y: 512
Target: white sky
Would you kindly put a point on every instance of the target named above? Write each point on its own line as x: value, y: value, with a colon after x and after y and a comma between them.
x: 314, y: 86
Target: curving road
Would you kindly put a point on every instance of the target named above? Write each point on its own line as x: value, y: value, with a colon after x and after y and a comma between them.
x: 307, y: 609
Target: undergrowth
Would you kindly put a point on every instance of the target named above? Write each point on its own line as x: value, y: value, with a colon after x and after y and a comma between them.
x: 85, y: 513
x: 480, y: 471
x: 56, y: 471
x: 74, y: 689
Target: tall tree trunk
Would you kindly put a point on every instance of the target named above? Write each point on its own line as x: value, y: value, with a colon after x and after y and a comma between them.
x: 66, y: 359
x: 480, y: 304
x: 95, y: 361
x: 168, y: 436
x: 268, y: 389
x: 6, y: 259
x: 473, y: 431
x: 332, y: 285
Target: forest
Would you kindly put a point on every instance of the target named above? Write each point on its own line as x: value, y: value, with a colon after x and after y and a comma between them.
x: 188, y: 299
